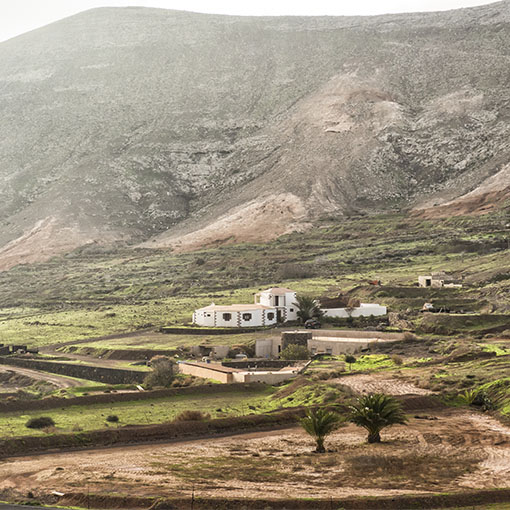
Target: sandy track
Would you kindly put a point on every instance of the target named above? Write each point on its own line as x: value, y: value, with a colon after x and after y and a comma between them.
x: 463, y: 450
x: 59, y: 381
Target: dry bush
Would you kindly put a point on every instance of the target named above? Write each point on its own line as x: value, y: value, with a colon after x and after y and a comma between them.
x: 409, y: 337
x: 291, y: 271
x: 162, y: 372
x: 397, y: 359
x: 190, y: 415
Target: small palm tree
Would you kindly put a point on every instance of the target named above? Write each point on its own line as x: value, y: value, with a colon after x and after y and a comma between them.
x: 308, y: 308
x: 469, y: 397
x: 375, y: 412
x: 319, y: 424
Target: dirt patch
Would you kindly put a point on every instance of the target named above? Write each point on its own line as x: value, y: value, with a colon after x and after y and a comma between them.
x: 47, y: 238
x: 260, y: 220
x: 458, y: 450
x: 374, y: 383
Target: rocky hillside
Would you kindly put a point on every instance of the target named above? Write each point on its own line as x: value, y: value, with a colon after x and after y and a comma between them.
x: 179, y: 129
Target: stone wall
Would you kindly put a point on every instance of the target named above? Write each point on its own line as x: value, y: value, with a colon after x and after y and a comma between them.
x: 110, y: 398
x: 295, y: 337
x: 90, y: 373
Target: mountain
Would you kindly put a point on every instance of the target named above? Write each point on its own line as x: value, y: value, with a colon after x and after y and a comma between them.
x: 180, y: 130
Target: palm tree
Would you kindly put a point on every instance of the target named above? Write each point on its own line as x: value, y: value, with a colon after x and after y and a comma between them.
x: 320, y: 423
x: 375, y: 412
x: 307, y: 308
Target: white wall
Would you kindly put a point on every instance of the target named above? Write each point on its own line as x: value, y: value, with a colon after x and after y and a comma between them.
x: 335, y: 348
x: 335, y: 312
x: 264, y: 348
x: 290, y: 299
x: 203, y: 318
x: 222, y: 323
x: 264, y: 377
x: 207, y: 318
x: 365, y: 310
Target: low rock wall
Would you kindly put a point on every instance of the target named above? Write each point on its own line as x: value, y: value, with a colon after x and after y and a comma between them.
x: 90, y: 373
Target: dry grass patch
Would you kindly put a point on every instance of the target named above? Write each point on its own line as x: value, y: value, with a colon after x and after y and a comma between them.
x: 247, y: 468
x: 409, y: 470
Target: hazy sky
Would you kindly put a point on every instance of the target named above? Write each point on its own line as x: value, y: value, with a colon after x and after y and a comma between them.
x: 18, y: 16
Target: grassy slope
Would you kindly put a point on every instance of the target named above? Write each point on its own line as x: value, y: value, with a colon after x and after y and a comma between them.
x: 97, y: 291
x: 234, y: 403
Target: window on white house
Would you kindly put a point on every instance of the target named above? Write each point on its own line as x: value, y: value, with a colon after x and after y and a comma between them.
x: 246, y: 316
x: 227, y: 317
x: 270, y: 316
x: 329, y: 351
x: 292, y: 309
x: 207, y: 314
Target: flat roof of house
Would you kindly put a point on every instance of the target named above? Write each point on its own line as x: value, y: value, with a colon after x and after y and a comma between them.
x: 278, y: 290
x: 212, y: 366
x: 235, y: 308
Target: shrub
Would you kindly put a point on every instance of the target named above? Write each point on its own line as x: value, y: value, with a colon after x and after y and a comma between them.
x: 40, y: 423
x: 409, y: 337
x: 162, y: 372
x: 397, y: 359
x: 112, y: 418
x: 294, y: 351
x: 190, y: 415
x: 483, y: 400
x: 349, y: 358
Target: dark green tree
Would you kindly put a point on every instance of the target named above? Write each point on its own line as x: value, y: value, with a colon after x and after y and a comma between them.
x: 295, y: 351
x: 375, y: 412
x: 308, y: 308
x: 349, y: 358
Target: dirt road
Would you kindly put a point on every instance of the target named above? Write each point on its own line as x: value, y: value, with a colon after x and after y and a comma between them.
x: 57, y: 380
x: 450, y: 450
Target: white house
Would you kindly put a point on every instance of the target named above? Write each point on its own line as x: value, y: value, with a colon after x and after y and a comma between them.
x: 280, y: 298
x: 363, y: 310
x: 235, y: 316
x: 270, y: 307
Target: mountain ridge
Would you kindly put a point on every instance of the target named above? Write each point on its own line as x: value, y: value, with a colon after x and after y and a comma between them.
x: 163, y: 127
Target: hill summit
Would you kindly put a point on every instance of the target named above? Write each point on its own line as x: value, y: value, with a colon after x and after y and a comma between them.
x: 181, y: 130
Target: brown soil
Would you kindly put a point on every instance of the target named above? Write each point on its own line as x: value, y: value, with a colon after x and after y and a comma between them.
x: 476, y: 204
x: 379, y: 383
x: 452, y: 451
x: 259, y: 220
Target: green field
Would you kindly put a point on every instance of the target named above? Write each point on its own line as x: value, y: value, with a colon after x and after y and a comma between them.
x: 143, y: 412
x: 93, y: 292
